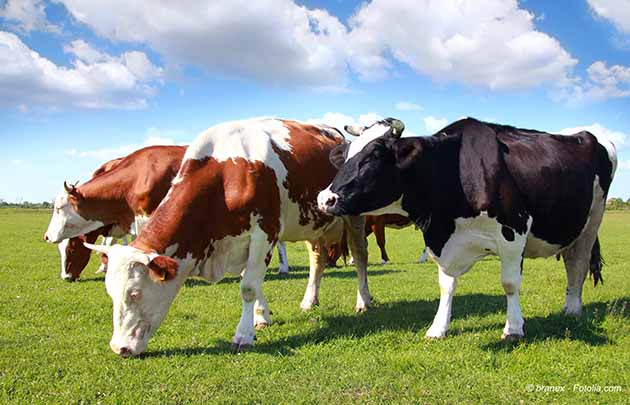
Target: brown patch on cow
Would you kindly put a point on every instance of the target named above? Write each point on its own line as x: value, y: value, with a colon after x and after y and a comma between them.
x: 77, y: 255
x: 107, y: 166
x: 214, y: 200
x: 309, y: 169
x: 133, y: 185
x: 508, y: 233
x: 163, y: 268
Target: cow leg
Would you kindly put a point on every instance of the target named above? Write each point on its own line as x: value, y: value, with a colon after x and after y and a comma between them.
x: 251, y: 289
x: 317, y: 264
x: 442, y: 319
x: 577, y: 260
x: 511, y: 269
x: 107, y: 241
x: 283, y: 267
x: 424, y: 256
x: 262, y: 314
x: 355, y: 228
x: 379, y: 234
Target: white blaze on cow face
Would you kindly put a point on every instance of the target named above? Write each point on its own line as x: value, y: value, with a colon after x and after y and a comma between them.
x: 66, y: 222
x: 140, y: 303
x: 365, y: 136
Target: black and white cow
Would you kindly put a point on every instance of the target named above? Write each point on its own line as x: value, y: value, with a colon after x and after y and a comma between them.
x: 477, y: 189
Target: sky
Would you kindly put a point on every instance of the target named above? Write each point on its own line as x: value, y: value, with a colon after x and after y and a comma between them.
x: 85, y: 81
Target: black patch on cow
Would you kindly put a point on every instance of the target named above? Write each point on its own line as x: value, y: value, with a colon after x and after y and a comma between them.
x: 507, y: 233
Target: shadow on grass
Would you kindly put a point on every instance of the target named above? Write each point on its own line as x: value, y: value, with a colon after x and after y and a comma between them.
x: 557, y: 326
x: 417, y: 314
x: 296, y: 273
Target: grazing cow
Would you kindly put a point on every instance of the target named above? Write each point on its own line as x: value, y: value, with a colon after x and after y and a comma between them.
x: 477, y: 189
x: 74, y: 255
x: 116, y: 201
x: 242, y: 186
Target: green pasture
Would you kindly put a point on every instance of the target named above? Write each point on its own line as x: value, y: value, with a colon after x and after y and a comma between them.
x: 54, y: 335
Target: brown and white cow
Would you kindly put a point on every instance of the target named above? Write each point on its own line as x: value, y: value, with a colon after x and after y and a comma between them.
x: 117, y: 201
x: 242, y: 187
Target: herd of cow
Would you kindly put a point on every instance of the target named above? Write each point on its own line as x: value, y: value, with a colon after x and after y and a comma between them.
x: 223, y: 203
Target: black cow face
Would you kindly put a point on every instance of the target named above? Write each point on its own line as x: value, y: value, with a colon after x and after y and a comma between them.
x: 369, y: 176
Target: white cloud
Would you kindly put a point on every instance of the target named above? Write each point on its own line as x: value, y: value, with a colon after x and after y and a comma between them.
x: 602, y: 83
x: 620, y: 139
x: 617, y: 11
x: 433, y: 124
x: 106, y: 154
x: 623, y: 165
x: 274, y: 41
x: 17, y: 161
x: 95, y: 80
x: 490, y: 43
x: 26, y: 16
x: 406, y: 106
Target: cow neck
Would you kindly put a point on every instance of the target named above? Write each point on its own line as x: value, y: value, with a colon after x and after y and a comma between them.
x: 215, y: 199
x: 433, y: 194
x: 104, y: 198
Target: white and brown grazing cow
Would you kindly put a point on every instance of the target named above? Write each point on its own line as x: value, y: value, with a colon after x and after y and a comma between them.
x: 129, y: 199
x: 116, y: 201
x: 242, y: 186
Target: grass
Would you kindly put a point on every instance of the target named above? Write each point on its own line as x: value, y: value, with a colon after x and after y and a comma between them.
x: 54, y: 335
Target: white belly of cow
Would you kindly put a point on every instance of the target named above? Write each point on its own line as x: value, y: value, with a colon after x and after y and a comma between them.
x: 473, y: 239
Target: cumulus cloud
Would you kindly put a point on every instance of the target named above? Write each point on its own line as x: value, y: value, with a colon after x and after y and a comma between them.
x: 406, y: 106
x: 602, y: 83
x: 95, y: 80
x: 434, y: 124
x: 274, y: 41
x: 617, y: 11
x: 26, y: 16
x: 105, y: 154
x: 619, y: 139
x: 489, y: 43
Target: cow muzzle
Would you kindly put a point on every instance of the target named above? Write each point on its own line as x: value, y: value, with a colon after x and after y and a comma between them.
x: 328, y: 202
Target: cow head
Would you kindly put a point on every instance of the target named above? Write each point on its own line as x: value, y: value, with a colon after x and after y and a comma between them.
x: 142, y: 287
x: 66, y: 222
x: 368, y: 180
x: 75, y: 256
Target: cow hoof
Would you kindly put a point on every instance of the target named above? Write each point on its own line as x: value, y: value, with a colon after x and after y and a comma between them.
x: 575, y: 311
x: 241, y: 348
x: 283, y: 274
x: 361, y: 309
x: 432, y: 338
x: 384, y: 262
x: 511, y: 338
x: 435, y: 335
x: 69, y: 279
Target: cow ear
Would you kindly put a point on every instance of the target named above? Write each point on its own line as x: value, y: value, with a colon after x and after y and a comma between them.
x: 338, y: 155
x: 406, y: 152
x: 479, y: 164
x: 162, y: 268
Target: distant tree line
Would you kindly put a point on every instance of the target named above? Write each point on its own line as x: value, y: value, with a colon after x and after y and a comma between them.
x: 611, y: 204
x: 25, y: 204
x: 617, y: 204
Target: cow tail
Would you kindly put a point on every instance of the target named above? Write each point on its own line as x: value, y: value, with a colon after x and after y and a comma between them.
x: 597, y: 262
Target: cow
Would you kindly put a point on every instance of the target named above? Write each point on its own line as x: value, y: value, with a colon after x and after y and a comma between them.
x: 477, y: 189
x: 242, y: 186
x: 134, y: 198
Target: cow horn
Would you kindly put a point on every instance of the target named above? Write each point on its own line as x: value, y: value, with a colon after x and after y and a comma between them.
x: 70, y: 189
x: 97, y: 248
x: 398, y: 127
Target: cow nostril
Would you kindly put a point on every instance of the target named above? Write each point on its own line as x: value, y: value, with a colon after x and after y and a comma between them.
x: 124, y: 351
x: 46, y: 237
x: 332, y: 200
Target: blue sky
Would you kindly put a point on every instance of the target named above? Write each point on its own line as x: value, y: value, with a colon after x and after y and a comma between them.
x: 84, y: 81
